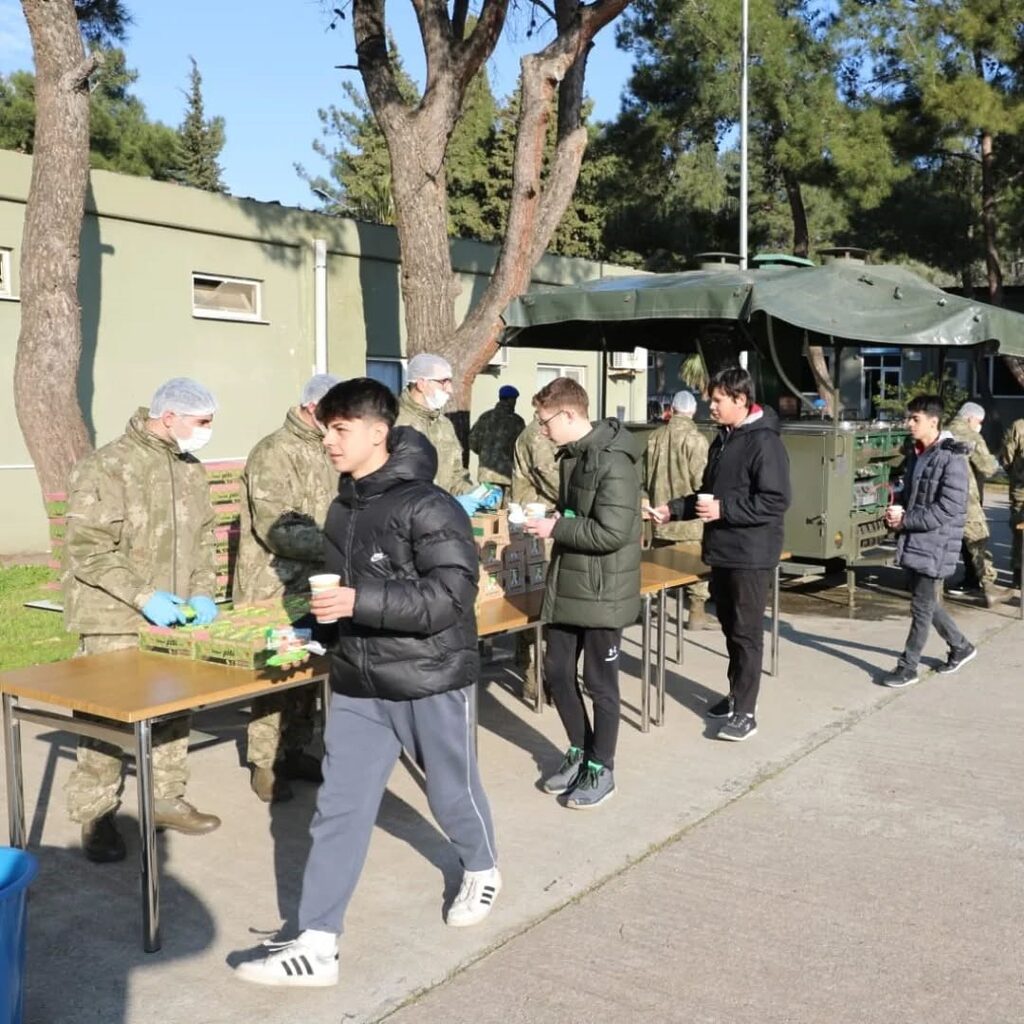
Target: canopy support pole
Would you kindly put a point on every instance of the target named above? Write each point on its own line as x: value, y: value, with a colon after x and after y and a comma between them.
x: 778, y: 366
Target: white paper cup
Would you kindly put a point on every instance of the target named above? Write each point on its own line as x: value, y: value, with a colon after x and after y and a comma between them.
x: 321, y: 582
x: 703, y: 498
x: 535, y: 510
x: 896, y: 510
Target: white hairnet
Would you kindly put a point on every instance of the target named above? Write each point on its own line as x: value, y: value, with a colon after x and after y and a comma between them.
x: 971, y: 409
x: 683, y: 401
x: 317, y: 386
x: 427, y: 366
x: 184, y: 396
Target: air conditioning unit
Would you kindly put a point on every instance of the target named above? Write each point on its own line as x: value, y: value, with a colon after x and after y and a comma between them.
x: 500, y: 358
x: 632, y: 362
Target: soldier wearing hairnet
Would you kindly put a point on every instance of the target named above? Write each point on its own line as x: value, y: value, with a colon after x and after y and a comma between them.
x: 287, y: 488
x: 493, y: 438
x: 428, y: 391
x: 677, y: 454
x: 1011, y: 455
x: 139, y: 547
x: 979, y: 569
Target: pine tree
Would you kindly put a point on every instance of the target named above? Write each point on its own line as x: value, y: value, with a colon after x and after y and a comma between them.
x: 202, y: 140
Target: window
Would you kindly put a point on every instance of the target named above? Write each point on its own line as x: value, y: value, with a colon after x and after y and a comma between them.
x: 226, y: 298
x: 547, y: 372
x: 1002, y: 383
x: 389, y: 372
x: 883, y: 373
x: 5, y: 274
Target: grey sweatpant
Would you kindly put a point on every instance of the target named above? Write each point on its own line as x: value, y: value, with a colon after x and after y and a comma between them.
x: 926, y: 611
x: 363, y: 740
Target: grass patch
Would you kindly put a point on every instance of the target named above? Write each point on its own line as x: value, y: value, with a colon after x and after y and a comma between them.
x: 29, y: 636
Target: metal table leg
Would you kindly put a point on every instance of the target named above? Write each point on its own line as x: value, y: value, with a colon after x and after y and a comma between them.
x: 15, y: 783
x: 1020, y: 578
x: 662, y: 630
x: 147, y: 837
x: 645, y: 668
x: 538, y: 666
x: 680, y: 591
x: 775, y: 621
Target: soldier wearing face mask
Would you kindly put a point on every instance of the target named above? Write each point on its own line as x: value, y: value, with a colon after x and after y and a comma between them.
x: 139, y: 546
x: 428, y: 391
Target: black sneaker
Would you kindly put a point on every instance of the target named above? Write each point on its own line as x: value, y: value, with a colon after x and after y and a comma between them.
x: 723, y: 709
x: 957, y: 659
x: 738, y: 728
x: 960, y: 590
x: 899, y: 678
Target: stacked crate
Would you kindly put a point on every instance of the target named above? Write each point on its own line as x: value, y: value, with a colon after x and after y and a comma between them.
x: 238, y: 636
x: 511, y: 561
x: 226, y: 495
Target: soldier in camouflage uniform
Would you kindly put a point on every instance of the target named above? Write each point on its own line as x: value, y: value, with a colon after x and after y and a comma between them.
x: 493, y: 438
x: 427, y: 393
x: 139, y: 544
x: 677, y: 455
x: 287, y: 487
x: 979, y: 569
x: 1011, y: 455
x: 534, y: 479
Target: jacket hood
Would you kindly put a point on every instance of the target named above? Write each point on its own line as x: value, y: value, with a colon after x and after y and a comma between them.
x: 412, y: 457
x: 608, y: 436
x: 136, y: 430
x: 945, y: 442
x: 761, y: 417
x: 296, y: 425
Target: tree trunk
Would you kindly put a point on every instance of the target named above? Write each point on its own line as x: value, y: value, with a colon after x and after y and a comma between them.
x: 50, y: 341
x: 993, y: 269
x: 802, y: 247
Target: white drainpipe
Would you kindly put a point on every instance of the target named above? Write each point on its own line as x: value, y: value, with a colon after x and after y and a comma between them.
x: 319, y: 305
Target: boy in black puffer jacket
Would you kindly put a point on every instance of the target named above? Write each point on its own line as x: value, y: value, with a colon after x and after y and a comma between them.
x: 930, y: 525
x: 401, y: 668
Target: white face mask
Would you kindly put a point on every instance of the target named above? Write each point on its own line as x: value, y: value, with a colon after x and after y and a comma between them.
x: 199, y: 439
x: 437, y: 399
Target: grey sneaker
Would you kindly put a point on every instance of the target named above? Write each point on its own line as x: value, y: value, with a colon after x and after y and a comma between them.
x: 721, y: 709
x: 738, y: 728
x: 563, y: 779
x: 957, y: 659
x: 594, y: 785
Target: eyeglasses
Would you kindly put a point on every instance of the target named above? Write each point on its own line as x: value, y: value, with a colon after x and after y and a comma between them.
x: 443, y: 381
x: 544, y: 422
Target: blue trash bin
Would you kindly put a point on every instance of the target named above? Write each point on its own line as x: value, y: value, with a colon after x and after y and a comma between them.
x: 17, y: 869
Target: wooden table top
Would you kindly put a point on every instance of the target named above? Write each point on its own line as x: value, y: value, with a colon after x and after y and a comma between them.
x: 507, y: 613
x: 129, y: 686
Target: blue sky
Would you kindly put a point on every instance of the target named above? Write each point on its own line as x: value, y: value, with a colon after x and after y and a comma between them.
x: 266, y: 72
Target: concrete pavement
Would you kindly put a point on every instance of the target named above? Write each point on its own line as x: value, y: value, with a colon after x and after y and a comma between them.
x: 757, y: 854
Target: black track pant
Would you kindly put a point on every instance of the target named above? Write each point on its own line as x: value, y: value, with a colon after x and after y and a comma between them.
x: 600, y: 650
x: 740, y: 596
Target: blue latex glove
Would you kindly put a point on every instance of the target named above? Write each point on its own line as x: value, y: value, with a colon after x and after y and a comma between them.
x: 469, y: 503
x: 205, y: 609
x: 493, y: 498
x: 164, y: 609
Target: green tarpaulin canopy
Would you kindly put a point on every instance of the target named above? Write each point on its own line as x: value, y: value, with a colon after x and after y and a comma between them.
x: 839, y: 303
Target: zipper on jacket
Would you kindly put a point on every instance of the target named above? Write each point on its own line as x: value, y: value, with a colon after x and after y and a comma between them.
x: 174, y: 528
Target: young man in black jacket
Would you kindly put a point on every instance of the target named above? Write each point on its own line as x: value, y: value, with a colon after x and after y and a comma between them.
x: 401, y: 668
x: 742, y: 500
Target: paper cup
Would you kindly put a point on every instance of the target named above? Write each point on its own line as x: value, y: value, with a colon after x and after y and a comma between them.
x: 318, y: 584
x: 535, y: 510
x: 896, y: 509
x: 703, y: 498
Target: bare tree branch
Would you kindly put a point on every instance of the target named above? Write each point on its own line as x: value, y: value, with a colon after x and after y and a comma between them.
x: 375, y: 66
x: 472, y: 52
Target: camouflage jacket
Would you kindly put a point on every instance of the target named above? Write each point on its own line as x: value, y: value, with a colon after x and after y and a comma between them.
x: 1011, y: 455
x: 493, y: 438
x: 982, y: 464
x: 452, y: 475
x: 535, y: 468
x: 287, y: 487
x: 676, y: 456
x: 139, y: 520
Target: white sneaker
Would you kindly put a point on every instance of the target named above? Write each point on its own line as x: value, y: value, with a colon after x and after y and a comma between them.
x: 292, y: 964
x: 476, y: 897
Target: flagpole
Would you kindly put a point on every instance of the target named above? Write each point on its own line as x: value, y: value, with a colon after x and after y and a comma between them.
x: 744, y: 141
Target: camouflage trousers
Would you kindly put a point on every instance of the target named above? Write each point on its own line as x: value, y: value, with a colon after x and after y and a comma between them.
x: 979, y: 567
x: 1016, y: 537
x: 94, y: 787
x: 280, y: 723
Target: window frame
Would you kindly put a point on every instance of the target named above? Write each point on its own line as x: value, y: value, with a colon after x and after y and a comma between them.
x: 990, y: 372
x: 401, y: 361
x: 6, y: 272
x: 560, y: 369
x: 201, y: 313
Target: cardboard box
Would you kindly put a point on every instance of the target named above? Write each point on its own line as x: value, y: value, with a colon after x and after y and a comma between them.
x: 515, y: 580
x: 491, y: 585
x: 489, y: 551
x: 536, y: 575
x: 490, y: 525
x: 514, y: 554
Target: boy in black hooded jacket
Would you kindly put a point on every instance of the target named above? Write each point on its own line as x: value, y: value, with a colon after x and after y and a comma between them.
x: 401, y: 668
x: 746, y: 489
